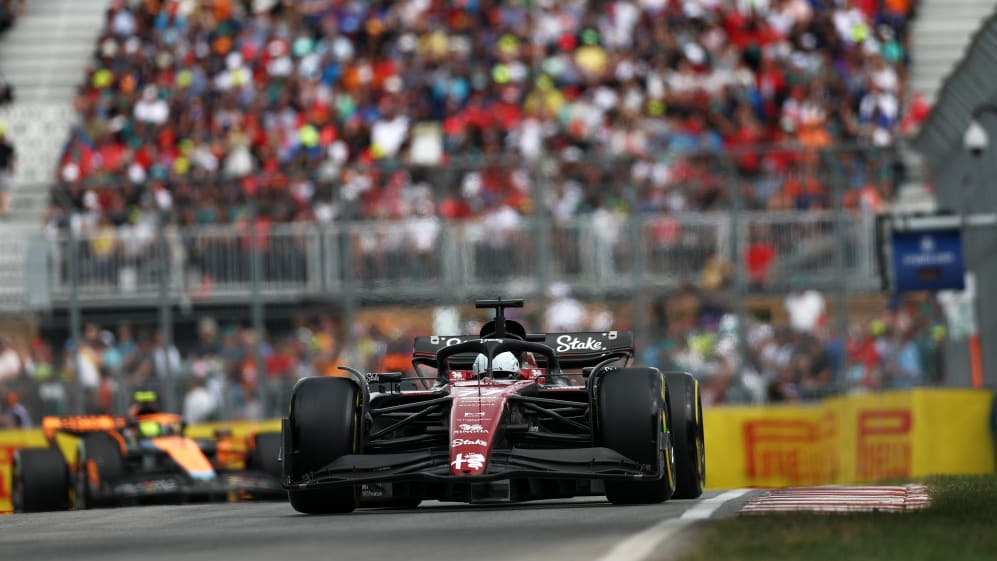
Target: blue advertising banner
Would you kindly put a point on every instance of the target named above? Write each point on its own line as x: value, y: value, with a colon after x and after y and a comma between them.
x: 928, y: 260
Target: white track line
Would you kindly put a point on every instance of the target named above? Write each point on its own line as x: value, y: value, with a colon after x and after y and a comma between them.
x: 640, y: 545
x: 705, y: 508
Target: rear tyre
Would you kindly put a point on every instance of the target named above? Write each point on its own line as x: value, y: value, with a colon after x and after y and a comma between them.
x: 264, y: 454
x: 99, y: 462
x: 632, y: 418
x: 39, y: 481
x: 324, y: 424
x: 686, y: 408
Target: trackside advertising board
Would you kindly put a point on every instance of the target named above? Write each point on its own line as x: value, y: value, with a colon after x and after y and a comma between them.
x: 928, y: 260
x: 850, y: 439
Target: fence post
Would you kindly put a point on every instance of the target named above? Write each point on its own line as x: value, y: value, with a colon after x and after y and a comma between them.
x: 323, y: 262
x: 165, y: 313
x: 348, y: 284
x: 840, y: 247
x: 737, y: 260
x: 447, y: 256
x: 636, y: 223
x: 76, y: 329
x: 542, y: 226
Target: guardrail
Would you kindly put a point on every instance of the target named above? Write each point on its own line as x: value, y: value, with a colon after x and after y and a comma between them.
x: 447, y: 261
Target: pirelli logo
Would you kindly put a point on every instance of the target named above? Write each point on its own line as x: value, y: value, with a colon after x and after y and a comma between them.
x: 884, y: 444
x: 791, y: 451
x: 801, y: 451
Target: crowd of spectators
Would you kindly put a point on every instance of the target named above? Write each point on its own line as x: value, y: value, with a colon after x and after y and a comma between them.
x: 214, y: 376
x: 798, y: 356
x: 327, y: 110
x: 802, y: 357
x: 409, y: 111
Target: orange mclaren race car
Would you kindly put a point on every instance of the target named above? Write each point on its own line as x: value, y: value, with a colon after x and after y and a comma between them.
x: 140, y: 459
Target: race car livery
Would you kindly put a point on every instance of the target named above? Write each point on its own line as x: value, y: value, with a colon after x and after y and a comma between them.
x: 119, y: 461
x: 575, y: 419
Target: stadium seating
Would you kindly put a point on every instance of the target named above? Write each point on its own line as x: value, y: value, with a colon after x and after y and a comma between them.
x: 196, y: 104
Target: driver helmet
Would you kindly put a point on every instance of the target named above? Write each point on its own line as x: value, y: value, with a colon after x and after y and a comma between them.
x: 504, y: 365
x: 150, y: 429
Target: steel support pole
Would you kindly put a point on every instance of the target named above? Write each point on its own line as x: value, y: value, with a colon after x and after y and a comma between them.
x: 840, y: 251
x: 75, y: 319
x: 539, y: 204
x: 544, y: 249
x: 637, y: 262
x: 257, y: 303
x: 170, y: 403
x: 737, y: 262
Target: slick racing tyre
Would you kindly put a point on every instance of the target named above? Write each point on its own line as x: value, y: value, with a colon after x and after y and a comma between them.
x: 264, y: 452
x: 686, y: 408
x: 632, y: 414
x: 324, y: 424
x: 39, y: 480
x: 98, y: 464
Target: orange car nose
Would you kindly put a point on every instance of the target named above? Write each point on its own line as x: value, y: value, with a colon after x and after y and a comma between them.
x: 187, y: 454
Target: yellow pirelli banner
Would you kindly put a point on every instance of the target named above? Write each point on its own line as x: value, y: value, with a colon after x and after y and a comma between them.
x: 851, y: 439
x: 11, y: 440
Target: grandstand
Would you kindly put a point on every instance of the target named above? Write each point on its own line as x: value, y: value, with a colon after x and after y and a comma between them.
x: 395, y: 152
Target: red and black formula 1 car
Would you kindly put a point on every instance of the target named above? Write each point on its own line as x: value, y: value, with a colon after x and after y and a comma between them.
x: 146, y: 459
x: 573, y: 419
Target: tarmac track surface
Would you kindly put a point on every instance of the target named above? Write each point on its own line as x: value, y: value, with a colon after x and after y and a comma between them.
x: 578, y: 529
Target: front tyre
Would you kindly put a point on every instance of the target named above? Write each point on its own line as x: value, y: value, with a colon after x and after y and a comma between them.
x: 324, y: 424
x: 686, y: 408
x: 39, y: 480
x: 632, y: 418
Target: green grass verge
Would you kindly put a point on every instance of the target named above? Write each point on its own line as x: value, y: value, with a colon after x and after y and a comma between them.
x: 961, y: 523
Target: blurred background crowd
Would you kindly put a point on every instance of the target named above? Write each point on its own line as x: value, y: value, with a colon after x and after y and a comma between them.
x: 330, y: 110
x: 795, y: 357
x: 326, y: 111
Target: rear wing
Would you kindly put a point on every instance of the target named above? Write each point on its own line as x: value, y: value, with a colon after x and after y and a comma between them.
x: 81, y: 424
x: 573, y: 350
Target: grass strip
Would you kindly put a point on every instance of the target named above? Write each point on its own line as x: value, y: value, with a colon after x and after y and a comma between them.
x: 961, y: 523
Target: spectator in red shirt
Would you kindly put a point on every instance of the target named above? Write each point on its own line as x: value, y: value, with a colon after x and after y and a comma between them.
x: 759, y: 258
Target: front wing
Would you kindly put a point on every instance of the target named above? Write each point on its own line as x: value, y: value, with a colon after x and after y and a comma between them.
x: 597, y: 463
x: 172, y: 488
